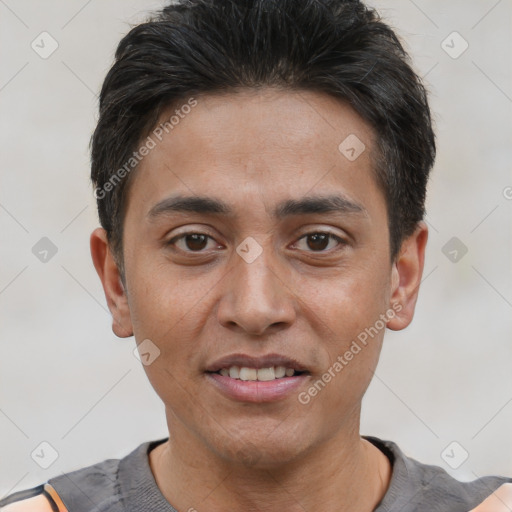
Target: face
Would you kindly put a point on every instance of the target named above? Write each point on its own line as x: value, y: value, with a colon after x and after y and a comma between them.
x: 280, y: 266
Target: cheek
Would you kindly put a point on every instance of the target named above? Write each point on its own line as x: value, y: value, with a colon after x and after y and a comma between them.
x: 158, y: 296
x: 171, y: 311
x: 347, y: 315
x: 347, y: 303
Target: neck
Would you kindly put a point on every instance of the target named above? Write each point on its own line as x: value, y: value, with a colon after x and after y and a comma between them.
x: 346, y: 473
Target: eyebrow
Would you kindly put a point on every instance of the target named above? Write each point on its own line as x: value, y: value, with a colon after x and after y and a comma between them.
x: 287, y: 208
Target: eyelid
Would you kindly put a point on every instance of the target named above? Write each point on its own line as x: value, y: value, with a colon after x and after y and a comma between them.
x: 180, y: 236
x: 341, y: 241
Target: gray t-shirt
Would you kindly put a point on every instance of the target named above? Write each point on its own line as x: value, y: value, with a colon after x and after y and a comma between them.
x: 128, y: 485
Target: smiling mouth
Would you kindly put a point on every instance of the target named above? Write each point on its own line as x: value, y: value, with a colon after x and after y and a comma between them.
x: 245, y: 373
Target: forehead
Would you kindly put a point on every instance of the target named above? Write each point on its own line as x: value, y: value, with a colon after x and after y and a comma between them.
x: 267, y: 142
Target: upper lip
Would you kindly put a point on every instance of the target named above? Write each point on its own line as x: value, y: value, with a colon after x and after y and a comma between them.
x: 265, y: 361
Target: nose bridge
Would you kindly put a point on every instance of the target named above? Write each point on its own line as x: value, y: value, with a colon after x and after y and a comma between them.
x: 256, y: 268
x: 256, y: 296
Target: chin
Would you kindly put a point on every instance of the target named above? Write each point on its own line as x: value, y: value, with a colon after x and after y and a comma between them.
x: 266, y: 450
x: 263, y: 457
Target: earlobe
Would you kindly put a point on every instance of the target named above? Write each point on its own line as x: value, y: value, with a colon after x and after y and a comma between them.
x: 108, y: 272
x: 406, y: 277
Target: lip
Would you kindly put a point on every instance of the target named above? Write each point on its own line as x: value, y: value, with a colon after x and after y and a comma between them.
x: 256, y: 391
x: 264, y: 361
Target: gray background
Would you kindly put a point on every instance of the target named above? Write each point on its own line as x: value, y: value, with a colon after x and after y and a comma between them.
x: 66, y: 380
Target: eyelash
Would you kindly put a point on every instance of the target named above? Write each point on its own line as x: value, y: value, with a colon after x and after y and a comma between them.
x: 340, y: 241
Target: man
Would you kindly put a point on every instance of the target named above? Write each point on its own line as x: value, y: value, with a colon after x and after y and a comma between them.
x: 260, y: 170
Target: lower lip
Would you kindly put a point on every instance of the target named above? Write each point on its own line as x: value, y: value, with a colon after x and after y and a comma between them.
x: 256, y: 390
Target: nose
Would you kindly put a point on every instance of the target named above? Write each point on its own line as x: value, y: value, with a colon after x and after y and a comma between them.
x: 256, y: 298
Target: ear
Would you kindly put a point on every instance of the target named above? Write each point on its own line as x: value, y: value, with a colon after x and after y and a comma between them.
x: 115, y: 293
x: 406, y: 277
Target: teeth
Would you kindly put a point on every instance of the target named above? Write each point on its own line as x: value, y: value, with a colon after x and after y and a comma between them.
x: 248, y: 373
x: 261, y: 374
x: 280, y: 372
x: 266, y: 374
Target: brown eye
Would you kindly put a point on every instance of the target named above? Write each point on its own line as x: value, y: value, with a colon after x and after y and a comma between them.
x: 318, y: 242
x: 191, y: 242
x: 196, y: 242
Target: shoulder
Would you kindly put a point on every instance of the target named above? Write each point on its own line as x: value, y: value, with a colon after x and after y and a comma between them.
x: 30, y: 500
x: 499, y: 501
x: 36, y: 504
x: 420, y: 487
x: 72, y: 490
x: 104, y: 484
x: 441, y: 487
